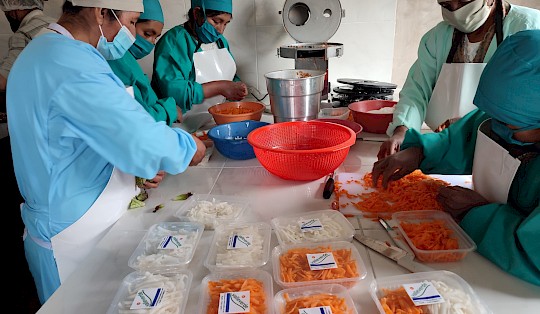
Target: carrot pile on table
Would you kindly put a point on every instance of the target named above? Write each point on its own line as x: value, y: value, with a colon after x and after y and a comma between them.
x: 415, y: 191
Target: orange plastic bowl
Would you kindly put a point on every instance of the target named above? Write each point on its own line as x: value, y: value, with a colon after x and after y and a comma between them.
x: 301, y: 150
x: 372, y: 122
x: 236, y: 111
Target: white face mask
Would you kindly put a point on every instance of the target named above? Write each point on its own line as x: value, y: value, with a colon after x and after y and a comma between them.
x: 469, y: 17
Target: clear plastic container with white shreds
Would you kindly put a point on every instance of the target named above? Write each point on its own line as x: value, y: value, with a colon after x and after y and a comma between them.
x: 212, y: 210
x: 239, y: 246
x: 167, y: 245
x: 152, y: 293
x: 315, y: 226
x: 457, y: 295
x: 314, y: 298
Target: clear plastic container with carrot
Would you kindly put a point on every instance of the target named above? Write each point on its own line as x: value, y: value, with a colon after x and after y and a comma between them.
x: 328, y: 296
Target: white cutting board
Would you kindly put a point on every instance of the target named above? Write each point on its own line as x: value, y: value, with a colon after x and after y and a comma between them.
x: 347, y: 183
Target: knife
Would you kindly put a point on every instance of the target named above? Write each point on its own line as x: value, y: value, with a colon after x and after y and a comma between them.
x: 397, y: 238
x: 329, y: 187
x: 402, y: 257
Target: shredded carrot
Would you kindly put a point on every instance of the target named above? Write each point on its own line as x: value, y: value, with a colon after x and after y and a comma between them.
x: 202, y: 137
x: 433, y: 236
x: 398, y: 302
x: 337, y: 305
x: 235, y: 111
x: 294, y: 265
x: 415, y: 191
x: 257, y: 296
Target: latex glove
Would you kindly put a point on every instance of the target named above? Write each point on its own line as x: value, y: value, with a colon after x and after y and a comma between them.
x: 393, y: 144
x: 235, y: 90
x: 457, y: 200
x: 396, y: 166
x: 154, y: 182
x: 199, y: 154
x: 446, y: 124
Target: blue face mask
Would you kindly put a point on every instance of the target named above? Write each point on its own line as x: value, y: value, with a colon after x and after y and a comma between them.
x: 206, y: 32
x: 507, y: 134
x: 119, y: 46
x: 141, y: 48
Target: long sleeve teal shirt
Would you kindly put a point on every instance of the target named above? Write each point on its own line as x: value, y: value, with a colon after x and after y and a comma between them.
x: 410, y: 111
x: 506, y: 234
x: 130, y: 72
x: 174, y: 72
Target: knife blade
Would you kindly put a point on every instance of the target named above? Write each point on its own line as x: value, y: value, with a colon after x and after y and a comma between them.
x: 397, y: 238
x: 402, y: 257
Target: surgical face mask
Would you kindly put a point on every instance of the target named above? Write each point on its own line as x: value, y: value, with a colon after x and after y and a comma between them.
x: 119, y: 46
x: 507, y: 134
x: 141, y: 48
x: 14, y: 24
x: 206, y: 32
x: 469, y: 17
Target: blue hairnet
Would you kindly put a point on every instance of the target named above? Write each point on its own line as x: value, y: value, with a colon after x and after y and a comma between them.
x: 217, y: 5
x: 509, y: 88
x: 152, y: 11
x: 11, y: 5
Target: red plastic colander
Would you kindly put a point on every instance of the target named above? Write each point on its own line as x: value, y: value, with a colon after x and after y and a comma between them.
x: 301, y: 150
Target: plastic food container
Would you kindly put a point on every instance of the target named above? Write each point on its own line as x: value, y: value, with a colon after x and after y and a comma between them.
x: 457, y: 295
x: 334, y: 113
x: 212, y: 210
x: 317, y: 263
x: 238, y: 246
x: 217, y: 291
x: 316, y: 226
x: 145, y: 292
x: 293, y: 299
x: 167, y: 245
x: 465, y: 243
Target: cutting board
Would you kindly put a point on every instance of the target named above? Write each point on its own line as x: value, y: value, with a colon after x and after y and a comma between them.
x: 349, y: 182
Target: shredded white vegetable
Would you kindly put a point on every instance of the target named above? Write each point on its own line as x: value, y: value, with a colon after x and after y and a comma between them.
x: 291, y: 233
x: 383, y: 110
x: 175, y: 291
x: 457, y: 301
x: 207, y: 212
x: 155, y: 257
x: 250, y: 256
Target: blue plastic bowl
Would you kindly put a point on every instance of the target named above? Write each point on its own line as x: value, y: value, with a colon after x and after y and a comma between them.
x: 230, y: 139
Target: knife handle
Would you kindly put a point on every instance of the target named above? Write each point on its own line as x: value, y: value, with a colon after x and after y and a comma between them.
x: 328, y: 188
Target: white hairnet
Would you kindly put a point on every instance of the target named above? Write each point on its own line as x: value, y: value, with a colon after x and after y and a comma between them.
x: 11, y: 5
x: 121, y: 5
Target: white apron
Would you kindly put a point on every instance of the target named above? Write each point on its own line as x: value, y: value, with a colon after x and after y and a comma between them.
x: 73, y: 244
x: 493, y: 167
x: 210, y: 65
x: 453, y: 93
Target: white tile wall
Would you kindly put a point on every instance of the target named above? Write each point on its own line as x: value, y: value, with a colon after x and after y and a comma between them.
x: 256, y: 32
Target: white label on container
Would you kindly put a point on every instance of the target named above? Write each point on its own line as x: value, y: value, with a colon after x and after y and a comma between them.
x: 240, y: 241
x: 173, y: 243
x: 147, y: 298
x: 423, y: 293
x: 321, y: 261
x: 316, y: 310
x: 308, y: 225
x: 234, y: 302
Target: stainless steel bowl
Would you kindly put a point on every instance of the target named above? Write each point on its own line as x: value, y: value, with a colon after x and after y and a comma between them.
x: 295, y: 95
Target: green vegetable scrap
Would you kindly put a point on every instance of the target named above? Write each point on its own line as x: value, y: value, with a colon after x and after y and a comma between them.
x: 140, y: 181
x: 182, y: 197
x: 143, y: 196
x: 135, y: 203
x: 158, y: 207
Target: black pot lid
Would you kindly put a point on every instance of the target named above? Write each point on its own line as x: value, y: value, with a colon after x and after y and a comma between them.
x: 367, y: 83
x: 311, y: 21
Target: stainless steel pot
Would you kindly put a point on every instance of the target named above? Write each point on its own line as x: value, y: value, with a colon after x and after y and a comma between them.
x: 295, y: 95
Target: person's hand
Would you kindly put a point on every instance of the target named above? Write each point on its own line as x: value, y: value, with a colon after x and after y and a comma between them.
x: 396, y: 166
x: 445, y: 124
x: 457, y: 200
x: 199, y: 154
x: 393, y: 144
x: 155, y: 181
x: 235, y: 91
